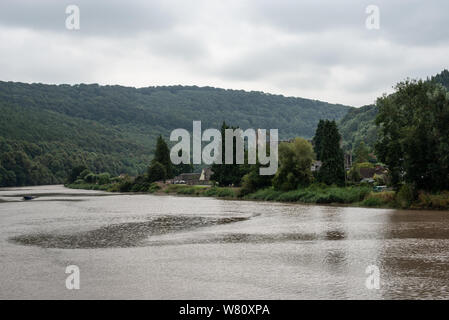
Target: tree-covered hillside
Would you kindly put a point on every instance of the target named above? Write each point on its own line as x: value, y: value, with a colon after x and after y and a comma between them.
x: 47, y: 129
x: 357, y: 126
x: 442, y: 78
x: 359, y: 123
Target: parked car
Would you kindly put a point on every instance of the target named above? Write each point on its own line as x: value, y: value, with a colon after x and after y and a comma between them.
x: 379, y: 188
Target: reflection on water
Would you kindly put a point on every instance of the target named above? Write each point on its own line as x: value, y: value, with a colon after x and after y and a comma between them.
x: 146, y: 246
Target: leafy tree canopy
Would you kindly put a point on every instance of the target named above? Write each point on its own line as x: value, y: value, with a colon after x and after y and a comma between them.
x: 414, y: 134
x: 295, y: 159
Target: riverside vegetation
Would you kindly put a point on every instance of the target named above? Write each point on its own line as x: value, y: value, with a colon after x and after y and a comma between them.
x: 314, y: 194
x: 46, y: 130
x: 417, y: 180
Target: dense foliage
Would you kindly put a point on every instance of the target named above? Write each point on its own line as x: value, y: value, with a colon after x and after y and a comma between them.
x: 317, y: 139
x: 162, y: 157
x: 229, y: 174
x: 361, y: 153
x: 156, y: 172
x: 358, y: 125
x: 314, y: 193
x: 295, y: 160
x: 330, y: 154
x: 414, y: 134
x: 46, y: 130
x: 442, y: 78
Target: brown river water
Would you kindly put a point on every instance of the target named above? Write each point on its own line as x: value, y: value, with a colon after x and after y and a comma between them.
x: 136, y: 246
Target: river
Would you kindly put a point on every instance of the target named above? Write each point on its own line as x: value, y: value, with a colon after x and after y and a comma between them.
x: 138, y: 246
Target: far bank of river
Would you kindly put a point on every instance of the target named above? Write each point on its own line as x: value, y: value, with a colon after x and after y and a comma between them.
x: 353, y: 196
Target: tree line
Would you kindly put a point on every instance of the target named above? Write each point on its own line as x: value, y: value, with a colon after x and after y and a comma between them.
x: 47, y: 130
x: 295, y: 164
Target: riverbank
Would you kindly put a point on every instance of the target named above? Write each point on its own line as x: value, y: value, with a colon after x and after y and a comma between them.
x: 354, y: 196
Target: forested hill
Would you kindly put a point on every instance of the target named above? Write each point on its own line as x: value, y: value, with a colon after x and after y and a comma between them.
x: 358, y: 126
x: 47, y: 129
x: 359, y: 123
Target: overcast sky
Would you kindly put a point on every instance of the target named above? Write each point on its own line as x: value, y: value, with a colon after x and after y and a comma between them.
x: 312, y: 49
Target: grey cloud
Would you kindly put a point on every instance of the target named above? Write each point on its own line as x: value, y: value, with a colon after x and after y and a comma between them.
x: 100, y: 17
x: 320, y: 49
x: 413, y: 22
x: 173, y: 44
x: 315, y: 49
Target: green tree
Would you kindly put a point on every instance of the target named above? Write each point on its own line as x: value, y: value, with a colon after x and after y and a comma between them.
x: 317, y: 139
x: 361, y: 153
x: 414, y: 135
x: 7, y: 178
x: 228, y: 174
x: 253, y: 180
x: 104, y: 178
x: 156, y: 172
x: 84, y: 174
x: 354, y: 174
x: 91, y: 178
x: 332, y: 170
x: 162, y: 155
x: 295, y: 159
x: 75, y: 172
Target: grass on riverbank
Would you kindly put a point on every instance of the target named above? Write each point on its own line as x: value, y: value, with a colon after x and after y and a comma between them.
x: 313, y: 194
x: 439, y: 201
x: 205, y: 191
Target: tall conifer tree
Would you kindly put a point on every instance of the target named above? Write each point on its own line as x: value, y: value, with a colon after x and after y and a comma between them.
x: 162, y: 155
x: 332, y: 170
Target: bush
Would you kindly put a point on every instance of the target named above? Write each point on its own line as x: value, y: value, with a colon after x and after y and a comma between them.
x: 433, y: 201
x: 125, y: 185
x: 354, y: 174
x: 84, y: 173
x: 75, y: 173
x: 380, y: 179
x: 91, y: 178
x: 153, y: 188
x: 380, y: 199
x: 104, y: 178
